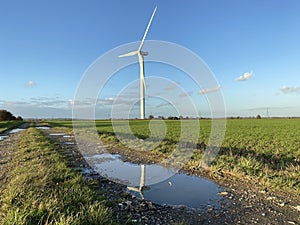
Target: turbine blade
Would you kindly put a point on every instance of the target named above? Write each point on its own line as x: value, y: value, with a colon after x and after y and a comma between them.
x: 128, y: 54
x: 147, y: 29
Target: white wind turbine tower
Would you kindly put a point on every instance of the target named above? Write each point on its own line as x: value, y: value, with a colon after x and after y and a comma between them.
x: 141, y: 55
x: 142, y: 183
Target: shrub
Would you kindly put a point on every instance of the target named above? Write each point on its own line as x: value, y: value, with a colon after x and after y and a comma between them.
x: 6, y: 116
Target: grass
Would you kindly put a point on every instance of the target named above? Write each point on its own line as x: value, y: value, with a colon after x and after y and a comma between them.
x: 266, y: 149
x: 263, y: 149
x: 7, y: 125
x: 43, y: 190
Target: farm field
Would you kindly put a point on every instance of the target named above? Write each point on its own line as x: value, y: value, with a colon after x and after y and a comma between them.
x: 266, y: 150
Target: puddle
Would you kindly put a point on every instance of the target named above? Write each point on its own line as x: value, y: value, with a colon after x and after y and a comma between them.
x: 57, y: 134
x: 13, y: 131
x: 69, y: 143
x: 86, y: 170
x: 43, y: 127
x: 68, y: 136
x: 181, y: 189
x: 162, y: 185
x: 16, y: 130
x: 3, y: 137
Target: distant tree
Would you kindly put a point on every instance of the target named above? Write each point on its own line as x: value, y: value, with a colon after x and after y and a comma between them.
x: 258, y: 117
x: 151, y: 117
x: 173, y: 118
x: 19, y: 118
x: 5, y: 115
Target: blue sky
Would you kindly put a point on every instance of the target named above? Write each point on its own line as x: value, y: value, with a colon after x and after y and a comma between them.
x: 252, y: 47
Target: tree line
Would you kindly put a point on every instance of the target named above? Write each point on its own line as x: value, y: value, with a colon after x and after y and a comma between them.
x: 7, y: 116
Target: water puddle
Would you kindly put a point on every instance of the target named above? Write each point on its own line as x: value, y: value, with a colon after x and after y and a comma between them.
x: 156, y: 183
x: 6, y: 134
x: 42, y: 128
x: 3, y: 137
x: 86, y: 171
x: 68, y: 136
x: 62, y: 134
x: 69, y: 143
x: 16, y: 130
x: 181, y: 189
x: 57, y: 134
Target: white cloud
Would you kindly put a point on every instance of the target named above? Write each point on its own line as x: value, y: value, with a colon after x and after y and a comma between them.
x: 33, y: 108
x: 286, y: 89
x: 244, y: 77
x: 106, y: 101
x: 42, y: 102
x: 209, y: 90
x: 30, y: 84
x: 101, y: 102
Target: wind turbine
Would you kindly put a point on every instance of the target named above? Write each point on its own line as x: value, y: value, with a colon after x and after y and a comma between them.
x: 142, y: 183
x: 141, y: 55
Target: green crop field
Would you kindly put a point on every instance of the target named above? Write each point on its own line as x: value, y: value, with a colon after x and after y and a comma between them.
x: 264, y: 149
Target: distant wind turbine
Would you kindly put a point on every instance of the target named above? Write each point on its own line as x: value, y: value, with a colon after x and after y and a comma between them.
x: 141, y: 55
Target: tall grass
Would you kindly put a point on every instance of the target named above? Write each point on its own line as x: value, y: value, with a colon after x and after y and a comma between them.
x: 43, y: 190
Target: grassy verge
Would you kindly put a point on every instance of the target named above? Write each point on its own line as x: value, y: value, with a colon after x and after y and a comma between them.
x: 43, y: 190
x: 7, y: 125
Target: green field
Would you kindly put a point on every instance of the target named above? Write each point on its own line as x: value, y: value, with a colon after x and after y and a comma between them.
x: 264, y: 149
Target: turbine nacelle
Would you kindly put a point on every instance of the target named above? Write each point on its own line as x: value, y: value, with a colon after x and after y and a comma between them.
x: 144, y: 53
x: 134, y: 53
